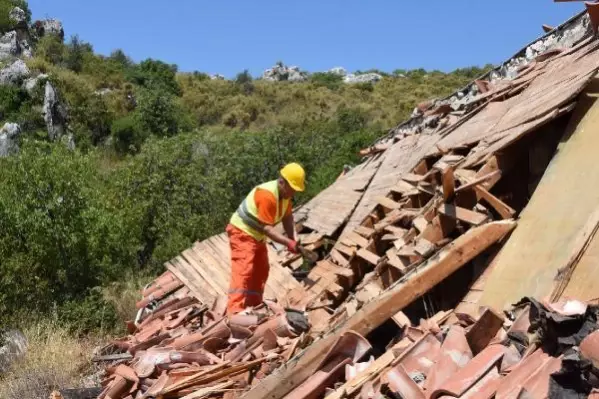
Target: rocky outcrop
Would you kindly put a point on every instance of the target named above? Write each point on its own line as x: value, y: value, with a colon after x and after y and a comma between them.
x: 49, y: 27
x: 18, y: 16
x: 54, y: 113
x: 217, y: 76
x: 363, y: 78
x: 14, y: 73
x: 9, y: 136
x: 31, y: 84
x: 9, y: 46
x: 281, y: 72
x: 340, y: 71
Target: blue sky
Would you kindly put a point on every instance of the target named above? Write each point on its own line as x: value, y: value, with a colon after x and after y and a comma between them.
x: 229, y: 36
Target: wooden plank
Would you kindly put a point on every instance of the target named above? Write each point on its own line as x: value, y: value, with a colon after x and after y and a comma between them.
x: 212, y: 273
x: 358, y: 239
x: 420, y: 223
x: 491, y: 166
x: 338, y: 270
x: 202, y: 295
x: 501, y: 207
x: 199, y: 273
x: 412, y: 178
x: 376, y: 312
x: 338, y: 258
x: 462, y: 214
x: 368, y: 256
x: 403, y: 187
x: 484, y: 330
x: 344, y: 249
x: 396, y: 231
x: 388, y: 203
x: 407, y: 250
x: 479, y: 180
x: 364, y: 231
x: 421, y: 168
x: 395, y: 261
x: 401, y: 319
x: 424, y: 248
x: 448, y: 180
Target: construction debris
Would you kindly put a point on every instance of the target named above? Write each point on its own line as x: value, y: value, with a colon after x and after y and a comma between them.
x: 406, y: 242
x: 183, y: 348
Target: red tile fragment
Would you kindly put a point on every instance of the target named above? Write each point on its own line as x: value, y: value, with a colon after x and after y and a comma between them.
x: 400, y: 382
x: 537, y: 385
x: 454, y: 355
x: 589, y: 348
x: 420, y: 357
x: 522, y: 322
x: 466, y: 377
x: 351, y: 345
x: 510, y: 385
x: 326, y: 376
x: 486, y: 387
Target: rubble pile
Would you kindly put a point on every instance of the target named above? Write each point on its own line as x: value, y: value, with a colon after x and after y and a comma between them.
x: 535, y: 350
x: 181, y: 346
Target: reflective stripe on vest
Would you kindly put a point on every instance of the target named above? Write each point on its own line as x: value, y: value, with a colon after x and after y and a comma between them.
x: 246, y: 216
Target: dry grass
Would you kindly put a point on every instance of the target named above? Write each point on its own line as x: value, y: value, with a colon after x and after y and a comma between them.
x: 125, y: 293
x: 55, y: 359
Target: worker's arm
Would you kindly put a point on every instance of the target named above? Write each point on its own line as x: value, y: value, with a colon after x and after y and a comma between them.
x: 289, y: 226
x: 277, y: 237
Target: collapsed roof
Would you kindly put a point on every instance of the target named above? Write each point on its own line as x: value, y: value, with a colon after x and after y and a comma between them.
x: 452, y: 217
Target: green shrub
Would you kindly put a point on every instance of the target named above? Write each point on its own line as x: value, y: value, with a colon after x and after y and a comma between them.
x: 51, y: 49
x: 329, y: 80
x: 90, y: 314
x: 76, y: 51
x: 54, y: 233
x: 158, y: 113
x: 127, y: 134
x: 156, y: 75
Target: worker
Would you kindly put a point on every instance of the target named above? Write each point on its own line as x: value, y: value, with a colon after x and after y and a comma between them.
x: 254, y: 221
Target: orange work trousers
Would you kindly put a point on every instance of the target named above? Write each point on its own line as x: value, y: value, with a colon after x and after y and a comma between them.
x: 249, y: 270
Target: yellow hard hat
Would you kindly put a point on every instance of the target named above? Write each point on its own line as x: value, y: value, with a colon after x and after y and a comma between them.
x: 294, y: 174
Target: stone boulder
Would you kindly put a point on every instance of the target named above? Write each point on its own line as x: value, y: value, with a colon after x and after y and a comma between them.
x: 281, y: 72
x: 340, y: 71
x: 13, y: 345
x: 31, y: 84
x: 14, y: 73
x: 217, y: 76
x: 9, y: 136
x: 363, y: 78
x: 54, y: 113
x: 9, y: 46
x: 18, y: 16
x: 49, y: 27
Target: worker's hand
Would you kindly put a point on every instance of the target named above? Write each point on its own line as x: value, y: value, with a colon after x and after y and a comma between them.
x: 293, y: 246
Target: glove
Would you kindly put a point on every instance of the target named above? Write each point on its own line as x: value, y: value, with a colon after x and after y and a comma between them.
x: 293, y: 247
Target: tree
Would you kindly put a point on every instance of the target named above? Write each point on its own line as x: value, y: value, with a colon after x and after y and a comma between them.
x: 157, y: 75
x: 76, y: 50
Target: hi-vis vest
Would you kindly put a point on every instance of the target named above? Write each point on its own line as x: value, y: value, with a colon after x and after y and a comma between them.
x: 246, y: 216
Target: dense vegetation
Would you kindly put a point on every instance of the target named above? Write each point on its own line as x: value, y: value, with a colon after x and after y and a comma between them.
x: 162, y: 159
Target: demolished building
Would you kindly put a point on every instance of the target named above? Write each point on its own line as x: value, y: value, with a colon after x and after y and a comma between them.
x: 457, y: 261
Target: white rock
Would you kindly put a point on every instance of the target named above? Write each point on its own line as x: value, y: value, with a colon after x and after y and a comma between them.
x: 49, y: 27
x: 363, y: 78
x: 18, y: 15
x: 9, y: 47
x: 338, y: 71
x: 54, y: 114
x: 9, y: 134
x: 217, y: 76
x: 281, y: 72
x: 14, y: 73
x: 30, y: 84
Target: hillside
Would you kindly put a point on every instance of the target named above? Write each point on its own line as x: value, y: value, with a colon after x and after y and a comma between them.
x: 157, y: 158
